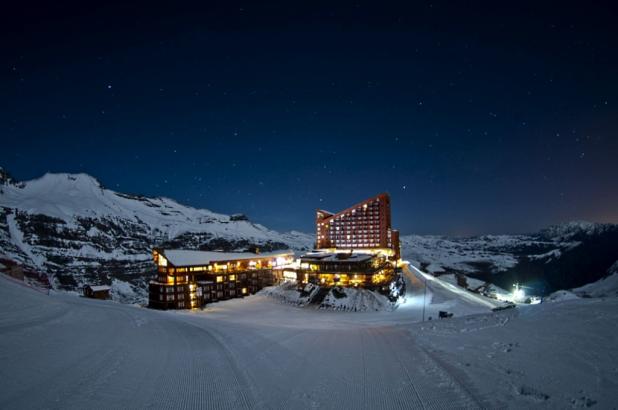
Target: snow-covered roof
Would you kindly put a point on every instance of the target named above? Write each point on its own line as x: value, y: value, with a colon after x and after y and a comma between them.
x: 181, y: 257
x: 98, y: 288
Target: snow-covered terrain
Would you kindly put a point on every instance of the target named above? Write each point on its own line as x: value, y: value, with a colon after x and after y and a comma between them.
x: 339, y: 299
x: 75, y: 230
x: 560, y: 257
x: 61, y: 351
x: 604, y: 287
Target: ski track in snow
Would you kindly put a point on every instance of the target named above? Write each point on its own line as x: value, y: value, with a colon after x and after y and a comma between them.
x: 65, y: 352
x: 61, y: 351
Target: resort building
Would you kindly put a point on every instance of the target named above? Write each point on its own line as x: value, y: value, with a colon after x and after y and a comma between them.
x: 354, y: 247
x: 188, y: 279
x: 345, y: 269
x: 366, y: 225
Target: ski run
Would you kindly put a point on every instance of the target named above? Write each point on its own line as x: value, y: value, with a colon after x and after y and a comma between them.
x: 60, y: 351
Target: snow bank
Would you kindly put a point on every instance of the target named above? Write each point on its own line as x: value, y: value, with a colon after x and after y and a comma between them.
x: 288, y: 293
x: 561, y: 296
x: 126, y: 293
x: 606, y: 287
x: 338, y: 299
x: 356, y: 300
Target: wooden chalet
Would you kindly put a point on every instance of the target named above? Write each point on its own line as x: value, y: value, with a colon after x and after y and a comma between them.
x: 97, y: 292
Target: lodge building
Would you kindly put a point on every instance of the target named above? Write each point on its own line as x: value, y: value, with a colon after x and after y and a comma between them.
x: 354, y: 247
x: 188, y: 279
x: 345, y: 269
x: 366, y: 225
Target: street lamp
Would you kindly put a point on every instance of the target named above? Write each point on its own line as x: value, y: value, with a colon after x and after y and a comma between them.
x: 424, y: 296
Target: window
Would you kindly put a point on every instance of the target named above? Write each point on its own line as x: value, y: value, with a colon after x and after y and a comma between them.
x: 232, y: 277
x: 219, y: 279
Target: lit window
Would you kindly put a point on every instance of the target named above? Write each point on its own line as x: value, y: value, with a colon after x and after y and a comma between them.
x: 232, y: 277
x: 219, y: 279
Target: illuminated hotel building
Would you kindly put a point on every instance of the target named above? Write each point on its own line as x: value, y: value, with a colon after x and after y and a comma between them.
x: 366, y: 225
x: 354, y: 247
x: 190, y: 279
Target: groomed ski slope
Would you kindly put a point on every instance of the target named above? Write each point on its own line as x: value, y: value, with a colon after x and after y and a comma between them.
x: 60, y: 351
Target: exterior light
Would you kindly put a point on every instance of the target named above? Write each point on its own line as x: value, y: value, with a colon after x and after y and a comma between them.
x: 518, y: 293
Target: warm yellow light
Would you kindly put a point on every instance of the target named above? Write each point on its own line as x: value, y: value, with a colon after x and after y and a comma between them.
x: 162, y: 260
x: 219, y: 279
x: 232, y: 277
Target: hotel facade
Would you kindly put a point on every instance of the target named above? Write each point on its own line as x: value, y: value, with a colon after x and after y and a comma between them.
x: 366, y: 225
x: 354, y: 247
x: 190, y: 279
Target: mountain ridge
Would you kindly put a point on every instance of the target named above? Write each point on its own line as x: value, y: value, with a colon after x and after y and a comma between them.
x: 71, y: 228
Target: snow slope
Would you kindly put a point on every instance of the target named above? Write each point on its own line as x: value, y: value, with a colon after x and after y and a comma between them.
x: 75, y: 230
x: 60, y: 351
x: 605, y: 287
x: 559, y: 257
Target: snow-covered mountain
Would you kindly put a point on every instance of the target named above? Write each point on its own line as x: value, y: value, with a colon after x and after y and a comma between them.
x: 73, y: 229
x: 605, y: 287
x: 560, y: 257
x: 77, y: 231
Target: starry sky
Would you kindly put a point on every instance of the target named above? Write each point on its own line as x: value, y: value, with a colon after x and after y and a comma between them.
x: 477, y: 117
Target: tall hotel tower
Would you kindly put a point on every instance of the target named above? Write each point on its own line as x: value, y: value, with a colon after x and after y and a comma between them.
x: 364, y: 226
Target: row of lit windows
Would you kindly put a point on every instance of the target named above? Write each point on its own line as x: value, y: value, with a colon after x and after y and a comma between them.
x: 356, y: 240
x: 355, y: 229
x: 356, y: 237
x: 349, y: 226
x: 348, y: 244
x: 371, y: 208
x: 355, y: 220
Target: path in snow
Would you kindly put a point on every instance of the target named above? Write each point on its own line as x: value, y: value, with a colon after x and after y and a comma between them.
x: 65, y: 352
x: 61, y: 351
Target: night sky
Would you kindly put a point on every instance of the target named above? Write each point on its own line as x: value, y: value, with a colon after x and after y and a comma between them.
x: 475, y: 117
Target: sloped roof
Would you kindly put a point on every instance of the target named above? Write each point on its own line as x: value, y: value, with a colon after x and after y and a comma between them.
x: 181, y: 257
x: 357, y: 205
x: 98, y: 288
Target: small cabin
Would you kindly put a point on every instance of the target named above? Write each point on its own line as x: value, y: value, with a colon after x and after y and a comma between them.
x: 97, y: 292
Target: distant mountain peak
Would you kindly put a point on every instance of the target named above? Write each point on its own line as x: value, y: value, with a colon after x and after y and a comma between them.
x: 73, y: 179
x: 6, y: 177
x: 569, y: 230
